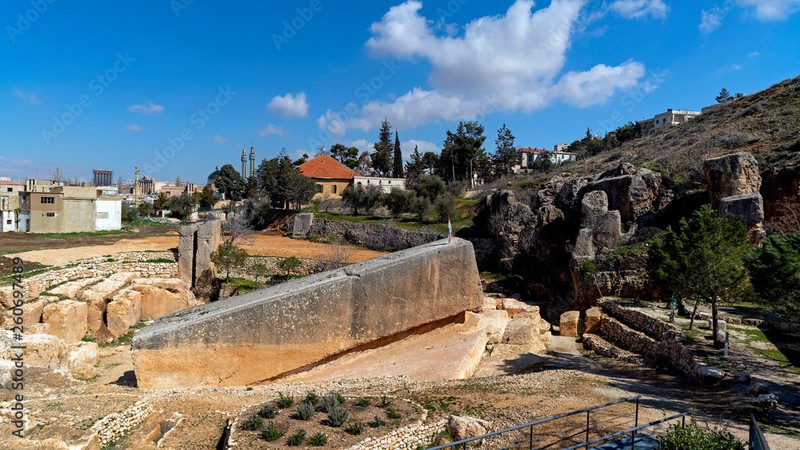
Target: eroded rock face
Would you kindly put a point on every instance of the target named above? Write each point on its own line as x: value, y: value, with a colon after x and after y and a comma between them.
x: 123, y: 312
x: 161, y: 296
x: 731, y: 175
x: 257, y: 336
x: 196, y: 244
x: 81, y: 360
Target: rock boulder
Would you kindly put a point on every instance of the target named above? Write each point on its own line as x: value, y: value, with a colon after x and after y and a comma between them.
x: 568, y: 326
x: 66, y: 319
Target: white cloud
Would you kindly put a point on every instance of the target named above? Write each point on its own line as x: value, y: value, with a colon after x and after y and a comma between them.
x: 710, y: 20
x: 637, y: 9
x: 289, y: 105
x: 27, y: 97
x: 150, y: 108
x: 134, y: 127
x: 499, y: 63
x: 753, y: 54
x: 218, y: 139
x: 272, y: 129
x: 423, y: 146
x: 769, y: 10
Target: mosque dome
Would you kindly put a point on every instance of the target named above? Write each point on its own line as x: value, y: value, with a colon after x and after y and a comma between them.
x: 212, y: 177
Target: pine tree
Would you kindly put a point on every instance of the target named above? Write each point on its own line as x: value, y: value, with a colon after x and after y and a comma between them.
x: 723, y: 96
x: 381, y: 158
x: 414, y: 168
x: 505, y: 154
x: 397, y: 167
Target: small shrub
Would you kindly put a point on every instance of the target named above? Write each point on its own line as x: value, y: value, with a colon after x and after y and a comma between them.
x: 318, y: 439
x: 392, y: 414
x: 337, y: 416
x: 363, y: 402
x: 329, y: 402
x: 340, y: 398
x: 312, y: 398
x: 253, y: 423
x: 297, y: 438
x: 268, y: 411
x: 355, y: 427
x: 272, y: 432
x: 385, y: 401
x: 376, y: 422
x: 693, y: 437
x: 285, y: 401
x: 304, y: 411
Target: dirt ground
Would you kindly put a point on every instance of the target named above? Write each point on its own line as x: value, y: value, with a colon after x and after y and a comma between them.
x: 257, y: 244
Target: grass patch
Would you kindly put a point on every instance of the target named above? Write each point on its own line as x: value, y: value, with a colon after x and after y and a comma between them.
x: 243, y: 286
x: 754, y: 335
x: 81, y: 234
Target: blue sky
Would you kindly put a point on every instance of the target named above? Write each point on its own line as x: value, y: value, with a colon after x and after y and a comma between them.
x: 179, y: 87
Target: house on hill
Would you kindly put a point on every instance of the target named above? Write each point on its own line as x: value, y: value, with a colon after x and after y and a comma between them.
x: 330, y: 176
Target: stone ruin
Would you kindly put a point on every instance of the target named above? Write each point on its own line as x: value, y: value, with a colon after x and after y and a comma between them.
x: 733, y: 187
x: 266, y: 334
x: 197, y: 242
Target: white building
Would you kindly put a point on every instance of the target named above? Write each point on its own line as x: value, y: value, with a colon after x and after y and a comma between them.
x: 9, y: 204
x: 108, y: 214
x: 672, y: 117
x: 386, y: 184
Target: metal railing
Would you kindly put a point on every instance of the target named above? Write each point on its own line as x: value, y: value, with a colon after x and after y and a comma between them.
x: 564, y: 438
x: 757, y: 440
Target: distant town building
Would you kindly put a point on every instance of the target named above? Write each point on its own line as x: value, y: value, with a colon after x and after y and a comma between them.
x: 9, y: 204
x: 661, y: 122
x: 386, y: 184
x: 330, y: 176
x: 529, y: 158
x: 102, y: 177
x: 68, y: 209
x: 559, y: 157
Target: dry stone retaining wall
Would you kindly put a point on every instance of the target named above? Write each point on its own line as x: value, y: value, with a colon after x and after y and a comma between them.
x: 370, y: 235
x: 406, y: 438
x: 114, y: 426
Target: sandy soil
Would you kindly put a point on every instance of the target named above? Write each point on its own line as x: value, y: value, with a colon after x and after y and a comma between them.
x: 256, y: 245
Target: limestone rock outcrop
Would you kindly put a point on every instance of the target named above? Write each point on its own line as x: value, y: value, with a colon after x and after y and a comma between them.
x: 66, y: 319
x: 733, y: 188
x: 123, y: 312
x: 161, y: 296
x: 82, y: 359
x: 570, y: 324
x: 464, y: 427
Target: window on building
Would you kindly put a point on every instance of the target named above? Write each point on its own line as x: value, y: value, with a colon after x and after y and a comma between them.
x: 319, y: 188
x: 9, y: 189
x: 48, y: 199
x: 8, y: 222
x: 334, y: 188
x: 51, y: 214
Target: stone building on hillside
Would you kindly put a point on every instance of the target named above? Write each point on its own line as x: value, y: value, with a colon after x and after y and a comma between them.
x: 661, y: 122
x: 386, y: 184
x: 330, y: 176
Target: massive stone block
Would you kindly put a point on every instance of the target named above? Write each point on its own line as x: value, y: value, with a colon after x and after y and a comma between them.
x: 729, y: 175
x: 66, y: 319
x: 195, y: 245
x: 259, y: 336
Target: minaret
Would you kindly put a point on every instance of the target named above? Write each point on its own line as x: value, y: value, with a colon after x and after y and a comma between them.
x: 244, y: 163
x: 252, y: 160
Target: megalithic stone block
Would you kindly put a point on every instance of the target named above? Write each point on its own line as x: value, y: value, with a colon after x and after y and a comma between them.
x: 258, y: 336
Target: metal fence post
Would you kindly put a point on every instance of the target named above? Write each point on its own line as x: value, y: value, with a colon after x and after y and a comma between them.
x: 530, y: 439
x: 587, y: 429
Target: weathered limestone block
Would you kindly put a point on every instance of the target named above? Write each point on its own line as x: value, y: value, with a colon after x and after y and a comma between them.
x: 186, y: 253
x: 258, y: 336
x: 568, y: 324
x: 302, y: 225
x: 749, y: 207
x: 72, y: 288
x: 584, y: 245
x: 631, y: 191
x: 525, y: 330
x: 104, y: 289
x: 7, y: 297
x: 730, y: 175
x: 464, y: 427
x: 82, y: 359
x: 514, y: 307
x: 41, y: 350
x: 594, y: 207
x: 66, y: 319
x: 96, y: 310
x: 123, y: 312
x: 490, y: 303
x: 497, y: 321
x: 593, y: 316
x: 31, y: 313
x: 161, y: 296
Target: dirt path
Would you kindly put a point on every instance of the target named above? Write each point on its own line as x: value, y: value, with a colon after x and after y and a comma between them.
x: 255, y: 245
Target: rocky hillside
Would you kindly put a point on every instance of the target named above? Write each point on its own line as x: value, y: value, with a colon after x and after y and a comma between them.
x: 582, y: 234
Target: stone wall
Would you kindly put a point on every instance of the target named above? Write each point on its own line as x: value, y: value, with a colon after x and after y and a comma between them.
x: 380, y: 236
x: 307, y: 267
x: 657, y: 340
x: 114, y: 426
x: 265, y: 334
x: 406, y: 438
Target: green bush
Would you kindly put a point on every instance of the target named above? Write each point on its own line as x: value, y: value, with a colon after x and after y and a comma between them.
x: 318, y: 439
x: 355, y: 427
x: 329, y: 402
x: 385, y: 401
x: 392, y: 414
x: 363, y: 402
x: 304, y: 411
x: 695, y: 438
x: 297, y: 438
x: 285, y: 401
x: 312, y: 398
x: 376, y: 422
x: 337, y: 416
x: 268, y: 411
x: 272, y: 432
x: 253, y: 423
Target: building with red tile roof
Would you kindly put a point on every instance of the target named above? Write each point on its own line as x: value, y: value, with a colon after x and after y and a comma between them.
x: 330, y: 176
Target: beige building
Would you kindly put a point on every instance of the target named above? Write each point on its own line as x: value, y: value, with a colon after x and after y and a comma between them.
x: 66, y: 209
x: 330, y: 176
x: 9, y: 204
x: 667, y: 119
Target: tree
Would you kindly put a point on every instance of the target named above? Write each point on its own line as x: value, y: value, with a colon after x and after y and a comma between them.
x: 160, y: 203
x: 629, y: 132
x: 207, y: 198
x: 178, y: 181
x: 227, y: 257
x: 129, y: 213
x: 414, y: 168
x: 145, y: 209
x: 259, y: 270
x: 361, y: 199
x: 397, y: 167
x: 231, y: 183
x: 430, y: 162
x: 283, y: 183
x: 381, y: 158
x: 775, y: 272
x: 181, y: 206
x: 289, y: 264
x: 397, y: 201
x: 364, y: 163
x: 702, y: 261
x: 345, y: 155
x: 430, y: 187
x: 505, y: 155
x: 723, y: 96
x: 456, y: 163
x: 297, y: 189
